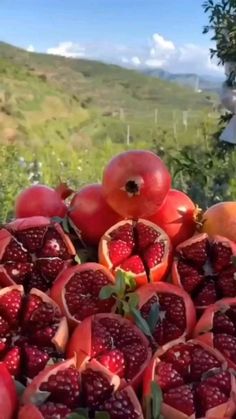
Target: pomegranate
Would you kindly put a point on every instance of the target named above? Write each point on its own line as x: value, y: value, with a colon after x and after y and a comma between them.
x: 77, y: 289
x: 136, y: 183
x: 91, y: 214
x: 66, y: 389
x: 177, y: 216
x: 220, y: 220
x: 8, y: 396
x: 140, y: 247
x: 114, y: 342
x: 194, y: 380
x: 169, y: 309
x: 217, y: 327
x: 32, y: 330
x: 42, y: 200
x: 33, y: 251
x: 204, y: 268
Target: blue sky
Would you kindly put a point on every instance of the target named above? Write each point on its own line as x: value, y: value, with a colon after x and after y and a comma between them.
x: 134, y: 33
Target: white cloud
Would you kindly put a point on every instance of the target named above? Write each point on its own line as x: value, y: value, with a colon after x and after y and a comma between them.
x: 158, y: 53
x: 68, y: 49
x: 136, y: 61
x: 30, y: 48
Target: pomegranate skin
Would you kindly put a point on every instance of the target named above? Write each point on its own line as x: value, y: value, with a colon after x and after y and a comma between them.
x: 91, y: 214
x: 8, y: 396
x: 219, y: 219
x: 177, y: 217
x: 135, y: 183
x: 40, y: 200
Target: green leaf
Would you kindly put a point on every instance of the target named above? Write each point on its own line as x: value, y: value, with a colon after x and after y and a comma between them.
x: 156, y: 400
x: 79, y: 413
x: 39, y: 397
x: 77, y: 259
x: 133, y: 300
x: 107, y: 291
x: 141, y: 322
x: 154, y: 315
x: 120, y: 282
x: 102, y: 415
x: 20, y: 388
x: 66, y: 225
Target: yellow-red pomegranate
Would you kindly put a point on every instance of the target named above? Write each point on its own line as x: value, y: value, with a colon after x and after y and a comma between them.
x: 139, y: 247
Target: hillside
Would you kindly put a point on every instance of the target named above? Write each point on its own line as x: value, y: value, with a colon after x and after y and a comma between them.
x: 205, y: 83
x: 86, y: 102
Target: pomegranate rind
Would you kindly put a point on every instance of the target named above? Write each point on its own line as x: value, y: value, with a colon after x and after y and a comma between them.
x: 61, y: 336
x: 146, y: 292
x: 158, y: 273
x: 58, y: 289
x: 80, y: 344
x: 43, y: 376
x: 29, y: 411
x: 176, y: 279
x: 220, y: 219
x: 223, y: 411
x: 8, y: 396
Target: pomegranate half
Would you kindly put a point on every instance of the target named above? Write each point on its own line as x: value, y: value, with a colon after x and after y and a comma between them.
x: 194, y: 381
x: 175, y: 314
x: 94, y: 389
x: 203, y: 266
x: 114, y: 342
x: 33, y: 251
x: 76, y: 291
x: 139, y: 247
x: 32, y: 331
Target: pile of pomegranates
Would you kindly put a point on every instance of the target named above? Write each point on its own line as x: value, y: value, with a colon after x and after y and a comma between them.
x: 118, y: 301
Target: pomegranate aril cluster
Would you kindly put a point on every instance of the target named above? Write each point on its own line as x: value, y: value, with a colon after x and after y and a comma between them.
x: 34, y: 256
x: 27, y: 326
x: 192, y: 379
x: 206, y: 271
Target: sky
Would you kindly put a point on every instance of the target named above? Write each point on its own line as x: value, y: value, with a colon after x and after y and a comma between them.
x: 149, y: 34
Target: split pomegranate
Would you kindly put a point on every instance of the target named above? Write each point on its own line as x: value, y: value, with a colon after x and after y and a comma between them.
x: 8, y: 396
x: 220, y: 220
x: 140, y: 247
x: 194, y: 381
x: 33, y: 251
x: 217, y: 327
x: 204, y: 268
x: 136, y: 183
x: 173, y: 309
x: 42, y: 200
x: 91, y: 214
x: 177, y: 216
x: 66, y: 389
x: 32, y: 330
x: 114, y: 342
x: 77, y: 289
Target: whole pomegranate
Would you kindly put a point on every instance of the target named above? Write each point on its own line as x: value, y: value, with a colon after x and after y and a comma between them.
x: 204, y: 267
x: 139, y: 247
x: 177, y: 216
x: 135, y: 183
x: 194, y: 380
x: 114, y: 342
x: 171, y: 310
x: 8, y: 398
x: 217, y: 327
x: 91, y: 214
x: 33, y: 251
x: 32, y: 330
x: 42, y: 200
x: 76, y: 291
x: 94, y: 389
x: 220, y: 220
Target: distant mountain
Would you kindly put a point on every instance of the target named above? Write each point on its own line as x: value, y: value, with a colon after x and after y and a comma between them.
x: 205, y: 83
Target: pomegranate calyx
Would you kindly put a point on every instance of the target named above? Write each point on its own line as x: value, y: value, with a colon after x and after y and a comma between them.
x: 64, y: 190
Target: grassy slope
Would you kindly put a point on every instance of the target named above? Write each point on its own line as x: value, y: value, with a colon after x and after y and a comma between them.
x: 46, y: 96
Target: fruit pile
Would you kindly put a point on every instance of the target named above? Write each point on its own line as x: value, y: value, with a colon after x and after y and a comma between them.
x: 118, y: 301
